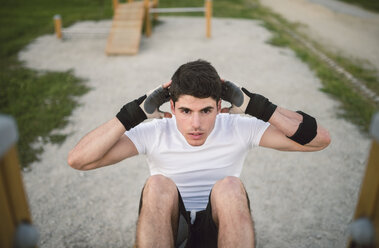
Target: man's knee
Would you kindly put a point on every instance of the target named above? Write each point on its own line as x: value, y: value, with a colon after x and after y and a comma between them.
x: 229, y: 193
x: 160, y: 189
x: 229, y: 188
x: 229, y: 198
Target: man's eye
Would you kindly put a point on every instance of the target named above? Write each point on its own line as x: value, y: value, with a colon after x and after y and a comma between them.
x: 186, y: 111
x: 206, y: 111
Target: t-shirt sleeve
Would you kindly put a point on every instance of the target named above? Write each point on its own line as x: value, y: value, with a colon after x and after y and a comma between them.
x: 142, y: 136
x: 251, y: 130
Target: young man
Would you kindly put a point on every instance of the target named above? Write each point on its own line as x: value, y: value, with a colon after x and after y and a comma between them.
x: 194, y: 197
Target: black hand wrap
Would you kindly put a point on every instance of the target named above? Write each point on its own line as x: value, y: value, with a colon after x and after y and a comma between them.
x: 259, y: 106
x: 307, y: 130
x: 131, y: 113
x: 231, y: 93
x: 156, y: 99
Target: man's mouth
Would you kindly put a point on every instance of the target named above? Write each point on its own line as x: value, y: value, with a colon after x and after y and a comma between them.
x: 196, y: 135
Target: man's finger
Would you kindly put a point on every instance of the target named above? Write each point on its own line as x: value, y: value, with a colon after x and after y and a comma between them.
x: 166, y: 85
x: 225, y: 110
x: 167, y: 115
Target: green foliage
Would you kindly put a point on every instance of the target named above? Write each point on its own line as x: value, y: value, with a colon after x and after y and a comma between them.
x: 23, y: 20
x: 40, y: 102
x: 372, y: 5
x: 354, y: 105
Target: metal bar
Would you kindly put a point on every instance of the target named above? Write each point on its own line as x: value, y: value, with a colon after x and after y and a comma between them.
x: 85, y: 32
x: 176, y: 10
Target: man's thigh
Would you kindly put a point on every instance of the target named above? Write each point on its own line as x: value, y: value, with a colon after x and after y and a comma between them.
x: 183, y: 232
x: 204, y: 232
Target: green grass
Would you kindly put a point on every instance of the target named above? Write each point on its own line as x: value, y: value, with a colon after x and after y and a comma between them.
x: 355, y: 107
x: 41, y: 102
x: 372, y: 5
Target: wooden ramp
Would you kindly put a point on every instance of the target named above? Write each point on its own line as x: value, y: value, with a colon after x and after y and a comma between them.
x: 126, y: 30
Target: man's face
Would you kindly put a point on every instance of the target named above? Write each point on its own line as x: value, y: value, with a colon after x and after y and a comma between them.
x: 195, y: 117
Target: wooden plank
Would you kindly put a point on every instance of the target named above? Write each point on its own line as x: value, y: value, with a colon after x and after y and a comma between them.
x: 375, y: 219
x: 370, y: 185
x: 125, y: 34
x: 10, y: 169
x: 13, y: 204
x: 368, y: 203
x: 128, y: 9
x: 120, y: 24
x: 7, y: 225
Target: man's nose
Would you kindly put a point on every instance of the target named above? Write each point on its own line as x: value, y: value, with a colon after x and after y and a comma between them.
x: 195, y: 121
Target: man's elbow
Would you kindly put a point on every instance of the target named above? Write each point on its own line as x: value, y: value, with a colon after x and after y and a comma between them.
x: 324, y: 138
x: 73, y: 161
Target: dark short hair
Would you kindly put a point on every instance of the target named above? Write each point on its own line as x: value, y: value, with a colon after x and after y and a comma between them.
x: 197, y: 78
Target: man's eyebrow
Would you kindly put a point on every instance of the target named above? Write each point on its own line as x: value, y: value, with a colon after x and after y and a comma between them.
x: 207, y: 108
x: 184, y: 108
x: 203, y: 109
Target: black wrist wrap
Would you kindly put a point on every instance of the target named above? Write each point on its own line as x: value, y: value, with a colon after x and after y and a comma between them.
x: 131, y: 114
x: 307, y: 130
x: 259, y: 106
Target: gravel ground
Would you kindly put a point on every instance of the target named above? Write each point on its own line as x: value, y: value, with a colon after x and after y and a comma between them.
x: 298, y: 199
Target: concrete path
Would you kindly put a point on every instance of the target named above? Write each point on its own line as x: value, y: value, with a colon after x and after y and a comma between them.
x: 341, y: 27
x: 298, y: 199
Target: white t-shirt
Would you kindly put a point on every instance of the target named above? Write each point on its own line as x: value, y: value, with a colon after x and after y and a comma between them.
x: 195, y: 169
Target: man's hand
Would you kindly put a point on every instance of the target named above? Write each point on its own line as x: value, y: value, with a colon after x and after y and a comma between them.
x: 155, y: 99
x: 147, y: 106
x: 244, y: 102
x: 233, y: 94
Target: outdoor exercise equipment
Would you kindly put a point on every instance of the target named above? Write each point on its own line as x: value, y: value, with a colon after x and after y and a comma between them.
x: 365, y: 227
x: 125, y: 34
x: 62, y: 33
x: 16, y: 229
x: 126, y: 30
x: 207, y: 10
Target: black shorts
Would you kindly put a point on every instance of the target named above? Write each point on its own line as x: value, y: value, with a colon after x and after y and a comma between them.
x: 202, y: 233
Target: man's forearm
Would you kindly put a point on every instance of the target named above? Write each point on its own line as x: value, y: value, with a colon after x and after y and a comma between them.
x: 96, y: 143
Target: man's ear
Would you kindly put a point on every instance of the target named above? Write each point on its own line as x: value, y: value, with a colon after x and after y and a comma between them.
x: 219, y: 106
x: 172, y: 105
